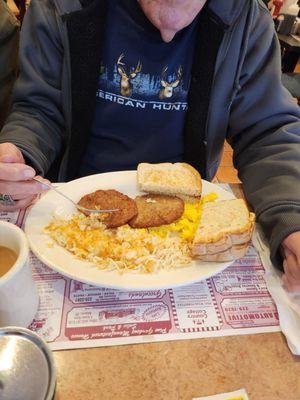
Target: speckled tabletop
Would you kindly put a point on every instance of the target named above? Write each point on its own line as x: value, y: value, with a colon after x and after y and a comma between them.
x: 261, y: 363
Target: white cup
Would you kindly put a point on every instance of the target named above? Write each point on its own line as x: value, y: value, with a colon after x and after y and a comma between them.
x: 18, y: 295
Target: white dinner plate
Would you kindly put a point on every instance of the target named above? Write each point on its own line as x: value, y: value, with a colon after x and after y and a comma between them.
x: 58, y: 258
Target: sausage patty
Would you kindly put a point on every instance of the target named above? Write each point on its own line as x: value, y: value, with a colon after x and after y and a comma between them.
x: 156, y: 210
x: 111, y: 199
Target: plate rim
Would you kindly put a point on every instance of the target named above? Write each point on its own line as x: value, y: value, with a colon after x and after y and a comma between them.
x: 60, y: 270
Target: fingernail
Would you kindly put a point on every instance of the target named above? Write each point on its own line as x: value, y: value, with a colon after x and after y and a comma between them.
x: 283, y: 281
x: 29, y: 173
x: 44, y: 183
x: 287, y: 252
x: 44, y: 187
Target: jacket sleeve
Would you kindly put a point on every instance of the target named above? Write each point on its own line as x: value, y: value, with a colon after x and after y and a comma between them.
x: 9, y: 44
x: 36, y: 123
x: 264, y: 132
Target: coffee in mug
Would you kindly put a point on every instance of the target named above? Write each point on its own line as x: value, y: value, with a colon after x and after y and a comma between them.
x: 7, y: 259
x: 18, y: 295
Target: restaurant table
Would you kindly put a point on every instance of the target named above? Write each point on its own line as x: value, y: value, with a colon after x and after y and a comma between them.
x: 181, y: 370
x: 290, y: 52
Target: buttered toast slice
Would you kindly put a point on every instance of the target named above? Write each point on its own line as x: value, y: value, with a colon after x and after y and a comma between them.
x: 224, y: 231
x: 178, y: 179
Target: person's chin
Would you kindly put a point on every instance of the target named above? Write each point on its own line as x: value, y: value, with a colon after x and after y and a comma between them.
x: 167, y: 36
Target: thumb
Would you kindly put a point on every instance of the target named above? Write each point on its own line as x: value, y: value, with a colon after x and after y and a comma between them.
x: 9, y: 153
x: 292, y: 242
x: 286, y: 252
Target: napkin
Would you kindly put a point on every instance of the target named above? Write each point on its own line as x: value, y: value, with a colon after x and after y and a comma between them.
x: 288, y: 304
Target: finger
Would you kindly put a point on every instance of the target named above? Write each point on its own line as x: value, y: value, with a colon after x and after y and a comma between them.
x: 9, y: 153
x: 291, y: 266
x: 25, y: 187
x: 292, y: 276
x: 19, y: 204
x: 292, y: 243
x: 20, y: 196
x: 43, y: 180
x: 26, y: 202
x: 16, y: 172
x: 288, y: 269
x: 290, y: 285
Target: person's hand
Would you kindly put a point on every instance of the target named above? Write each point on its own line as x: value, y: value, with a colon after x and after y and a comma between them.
x: 291, y: 262
x: 15, y: 178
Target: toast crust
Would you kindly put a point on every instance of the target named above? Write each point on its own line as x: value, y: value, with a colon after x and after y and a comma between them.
x: 234, y: 232
x: 230, y: 254
x: 177, y: 179
x: 188, y: 199
x: 195, y: 173
x: 225, y: 243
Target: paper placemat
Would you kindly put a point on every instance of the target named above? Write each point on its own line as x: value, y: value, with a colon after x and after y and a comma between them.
x: 73, y: 314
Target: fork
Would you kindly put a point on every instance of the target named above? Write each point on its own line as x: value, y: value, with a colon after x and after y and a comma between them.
x: 79, y: 207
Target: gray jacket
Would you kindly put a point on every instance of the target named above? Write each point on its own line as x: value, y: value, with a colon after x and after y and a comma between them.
x: 9, y: 46
x: 248, y: 105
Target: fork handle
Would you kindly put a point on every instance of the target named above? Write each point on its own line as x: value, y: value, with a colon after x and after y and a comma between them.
x: 79, y: 207
x: 50, y: 186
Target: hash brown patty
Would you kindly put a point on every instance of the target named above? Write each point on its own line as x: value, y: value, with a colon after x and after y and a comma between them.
x: 156, y: 210
x: 111, y: 199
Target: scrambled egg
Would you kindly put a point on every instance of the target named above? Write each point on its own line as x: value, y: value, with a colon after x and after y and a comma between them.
x: 187, y: 225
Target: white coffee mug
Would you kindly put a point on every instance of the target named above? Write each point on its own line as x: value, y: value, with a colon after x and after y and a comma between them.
x: 18, y: 295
